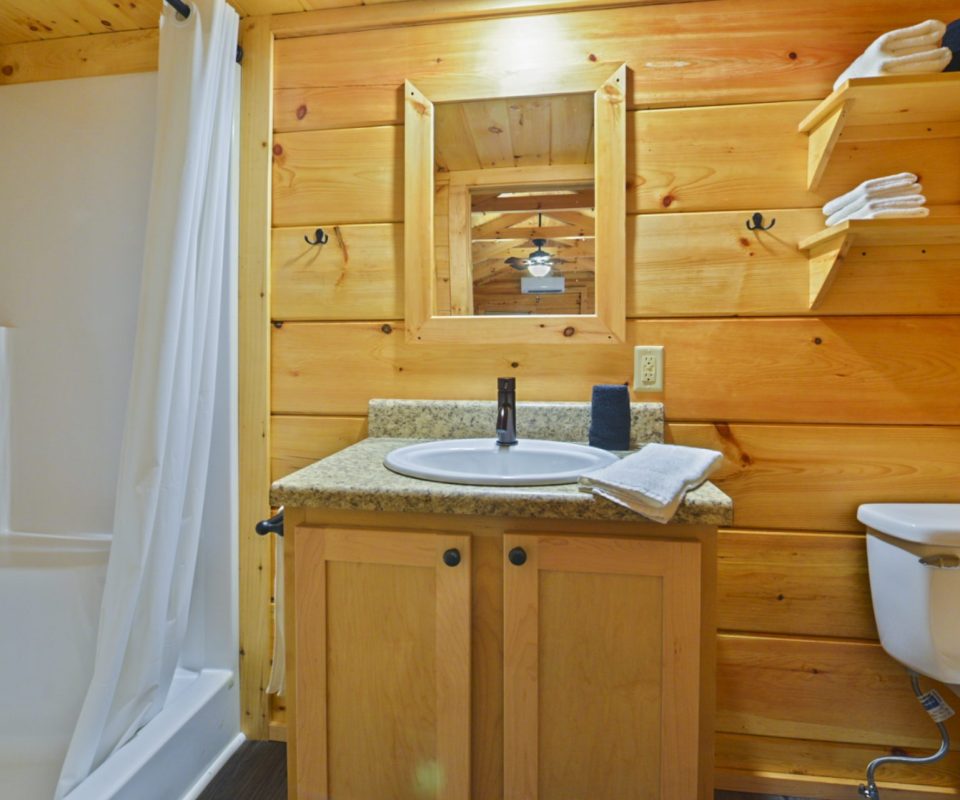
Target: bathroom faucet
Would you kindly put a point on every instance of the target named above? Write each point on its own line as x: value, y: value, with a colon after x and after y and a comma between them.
x: 506, y: 411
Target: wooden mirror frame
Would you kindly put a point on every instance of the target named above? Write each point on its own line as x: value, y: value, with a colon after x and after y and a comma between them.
x: 608, y: 322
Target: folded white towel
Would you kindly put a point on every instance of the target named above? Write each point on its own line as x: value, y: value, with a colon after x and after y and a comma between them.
x: 654, y: 481
x: 907, y: 194
x: 887, y: 209
x: 905, y: 50
x: 888, y: 185
x: 857, y: 210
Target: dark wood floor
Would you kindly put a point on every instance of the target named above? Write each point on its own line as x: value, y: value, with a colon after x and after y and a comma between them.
x: 258, y: 771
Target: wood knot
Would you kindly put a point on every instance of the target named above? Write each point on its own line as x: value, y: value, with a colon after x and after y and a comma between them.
x: 667, y: 200
x: 278, y: 323
x: 514, y: 364
x: 593, y: 57
x: 792, y: 55
x: 569, y: 331
x: 744, y: 241
x: 386, y: 327
x: 495, y: 129
x: 817, y: 340
x: 779, y: 597
x: 7, y: 69
x: 301, y: 111
x: 278, y: 150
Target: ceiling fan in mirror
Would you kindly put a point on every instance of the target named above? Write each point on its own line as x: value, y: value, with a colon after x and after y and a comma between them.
x: 539, y: 263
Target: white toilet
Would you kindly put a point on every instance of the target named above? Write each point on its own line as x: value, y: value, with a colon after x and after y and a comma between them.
x: 913, y: 552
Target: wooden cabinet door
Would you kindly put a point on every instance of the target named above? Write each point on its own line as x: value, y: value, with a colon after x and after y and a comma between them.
x: 601, y: 668
x: 383, y: 665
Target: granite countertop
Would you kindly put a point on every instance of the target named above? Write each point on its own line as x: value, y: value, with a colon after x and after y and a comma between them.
x: 355, y: 479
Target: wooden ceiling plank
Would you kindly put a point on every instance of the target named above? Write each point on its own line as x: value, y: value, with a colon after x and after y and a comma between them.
x: 489, y: 128
x: 530, y: 130
x: 452, y: 140
x: 571, y: 129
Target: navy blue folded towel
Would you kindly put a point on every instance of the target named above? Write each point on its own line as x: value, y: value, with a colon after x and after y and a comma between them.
x: 610, y: 417
x: 951, y: 39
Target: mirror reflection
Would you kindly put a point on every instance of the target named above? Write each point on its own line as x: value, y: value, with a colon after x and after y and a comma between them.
x: 514, y: 206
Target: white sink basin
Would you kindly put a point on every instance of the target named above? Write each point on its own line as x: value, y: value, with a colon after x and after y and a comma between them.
x: 482, y: 462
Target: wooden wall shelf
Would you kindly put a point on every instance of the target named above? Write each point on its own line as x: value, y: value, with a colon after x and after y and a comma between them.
x: 878, y: 109
x: 828, y: 248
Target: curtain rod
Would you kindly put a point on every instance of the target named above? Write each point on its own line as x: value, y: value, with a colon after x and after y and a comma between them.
x: 182, y: 8
x: 184, y: 11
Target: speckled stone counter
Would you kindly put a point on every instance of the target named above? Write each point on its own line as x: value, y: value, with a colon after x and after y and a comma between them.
x: 356, y: 480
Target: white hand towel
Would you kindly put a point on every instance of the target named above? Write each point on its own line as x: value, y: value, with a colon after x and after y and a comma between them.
x: 901, y: 183
x: 913, y: 49
x: 887, y: 209
x: 654, y: 481
x: 923, y: 63
x: 855, y: 210
x: 864, y: 198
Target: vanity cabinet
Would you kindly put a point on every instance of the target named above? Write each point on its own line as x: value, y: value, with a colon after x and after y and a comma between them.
x: 490, y: 659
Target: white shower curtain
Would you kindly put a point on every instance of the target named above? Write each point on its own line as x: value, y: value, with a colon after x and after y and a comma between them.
x: 166, y: 441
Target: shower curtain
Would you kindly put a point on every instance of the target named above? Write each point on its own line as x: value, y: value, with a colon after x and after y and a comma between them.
x: 191, y: 234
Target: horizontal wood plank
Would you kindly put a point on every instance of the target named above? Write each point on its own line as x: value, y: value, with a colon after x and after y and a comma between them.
x: 709, y: 264
x: 418, y: 12
x: 723, y: 158
x: 727, y: 51
x: 332, y: 177
x: 795, y: 786
x: 734, y: 157
x: 827, y: 690
x: 843, y: 369
x: 811, y: 584
x: 357, y: 274
x: 696, y: 264
x: 80, y: 57
x: 826, y: 760
x: 813, y: 477
x: 296, y: 442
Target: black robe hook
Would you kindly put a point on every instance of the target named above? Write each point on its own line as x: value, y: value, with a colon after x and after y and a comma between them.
x: 758, y: 223
x: 320, y: 237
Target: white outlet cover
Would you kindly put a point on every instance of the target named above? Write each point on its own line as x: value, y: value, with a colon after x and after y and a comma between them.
x: 656, y: 384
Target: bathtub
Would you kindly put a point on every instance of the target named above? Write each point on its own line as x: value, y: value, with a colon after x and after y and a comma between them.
x: 50, y: 590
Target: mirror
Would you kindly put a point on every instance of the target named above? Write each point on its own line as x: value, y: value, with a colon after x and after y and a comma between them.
x: 514, y: 206
x: 514, y: 212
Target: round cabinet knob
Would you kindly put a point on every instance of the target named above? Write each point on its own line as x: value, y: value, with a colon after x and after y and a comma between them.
x: 451, y: 557
x: 517, y: 556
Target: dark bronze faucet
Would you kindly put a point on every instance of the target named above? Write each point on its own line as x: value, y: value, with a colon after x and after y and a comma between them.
x: 506, y: 411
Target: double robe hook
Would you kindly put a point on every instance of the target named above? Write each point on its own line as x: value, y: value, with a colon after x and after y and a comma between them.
x: 758, y: 223
x: 319, y: 237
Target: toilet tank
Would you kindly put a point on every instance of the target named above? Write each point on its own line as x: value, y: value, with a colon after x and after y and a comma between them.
x: 913, y: 553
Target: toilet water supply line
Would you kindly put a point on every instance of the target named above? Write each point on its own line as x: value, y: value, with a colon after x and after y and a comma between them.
x: 939, y: 712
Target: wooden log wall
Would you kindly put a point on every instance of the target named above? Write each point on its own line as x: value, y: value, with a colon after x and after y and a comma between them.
x: 814, y: 412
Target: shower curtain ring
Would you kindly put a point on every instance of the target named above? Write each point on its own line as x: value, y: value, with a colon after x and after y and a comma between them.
x: 319, y: 237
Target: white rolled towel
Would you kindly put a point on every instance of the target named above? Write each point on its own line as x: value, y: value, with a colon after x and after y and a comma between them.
x: 905, y: 50
x: 903, y: 183
x: 897, y: 201
x: 890, y: 208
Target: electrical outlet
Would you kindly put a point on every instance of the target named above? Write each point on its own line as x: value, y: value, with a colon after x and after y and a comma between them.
x: 648, y: 368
